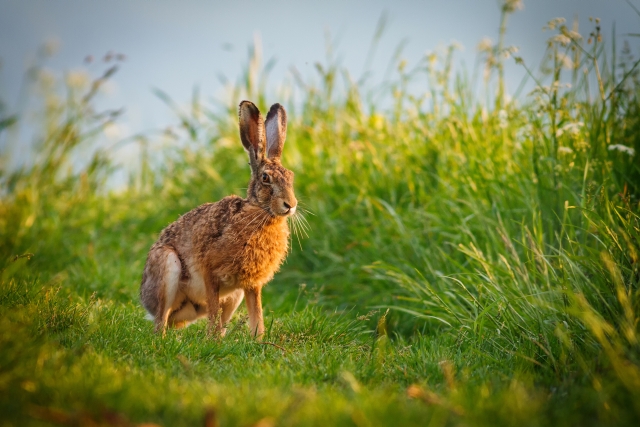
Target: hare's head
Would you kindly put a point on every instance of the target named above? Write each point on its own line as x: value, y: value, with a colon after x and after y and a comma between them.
x: 271, y: 185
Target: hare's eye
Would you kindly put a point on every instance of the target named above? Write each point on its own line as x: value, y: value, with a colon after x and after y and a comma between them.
x: 265, y: 178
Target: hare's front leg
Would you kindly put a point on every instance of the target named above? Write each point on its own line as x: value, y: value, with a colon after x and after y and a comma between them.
x: 229, y: 305
x: 253, y: 297
x: 212, y: 286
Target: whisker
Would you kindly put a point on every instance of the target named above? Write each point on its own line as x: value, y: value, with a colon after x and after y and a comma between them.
x: 304, y: 223
x: 306, y: 211
x: 290, y: 237
x: 295, y: 228
x: 302, y: 226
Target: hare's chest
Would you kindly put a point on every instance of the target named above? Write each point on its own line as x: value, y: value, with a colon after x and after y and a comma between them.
x: 264, y: 253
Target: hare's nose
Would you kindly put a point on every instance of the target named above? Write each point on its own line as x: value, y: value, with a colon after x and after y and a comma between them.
x: 289, y: 209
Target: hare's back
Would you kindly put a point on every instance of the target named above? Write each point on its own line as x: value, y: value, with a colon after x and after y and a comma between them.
x: 205, y: 222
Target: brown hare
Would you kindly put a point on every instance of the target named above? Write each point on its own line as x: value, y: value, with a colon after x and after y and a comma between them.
x: 205, y: 262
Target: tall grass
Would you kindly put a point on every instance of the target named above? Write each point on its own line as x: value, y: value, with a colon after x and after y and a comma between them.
x: 502, y: 234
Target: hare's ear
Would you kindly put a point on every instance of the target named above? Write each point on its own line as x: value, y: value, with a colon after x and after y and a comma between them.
x: 252, y: 132
x: 276, y: 129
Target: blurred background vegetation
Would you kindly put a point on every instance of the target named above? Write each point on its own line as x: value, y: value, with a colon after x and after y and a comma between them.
x: 468, y: 259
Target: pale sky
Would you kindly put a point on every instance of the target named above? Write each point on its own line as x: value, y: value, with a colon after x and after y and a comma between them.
x: 176, y: 45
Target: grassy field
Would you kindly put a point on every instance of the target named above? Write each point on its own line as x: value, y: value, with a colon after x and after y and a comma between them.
x: 468, y: 260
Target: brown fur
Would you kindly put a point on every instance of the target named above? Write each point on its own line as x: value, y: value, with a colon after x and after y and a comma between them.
x: 206, y: 261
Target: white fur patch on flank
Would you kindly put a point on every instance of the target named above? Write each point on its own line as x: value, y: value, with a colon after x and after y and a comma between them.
x: 172, y: 277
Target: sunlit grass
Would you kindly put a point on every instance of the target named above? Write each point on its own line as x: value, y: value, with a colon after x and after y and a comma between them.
x: 501, y: 235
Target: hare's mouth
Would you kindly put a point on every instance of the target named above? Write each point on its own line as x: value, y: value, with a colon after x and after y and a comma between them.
x: 287, y: 211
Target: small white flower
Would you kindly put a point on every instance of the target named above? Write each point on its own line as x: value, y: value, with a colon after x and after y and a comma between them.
x: 485, y: 45
x: 513, y: 5
x: 432, y: 57
x: 112, y: 130
x: 622, y: 148
x: 507, y: 52
x: 560, y: 38
x: 502, y: 117
x: 109, y: 87
x: 47, y: 78
x: 573, y: 35
x: 484, y: 114
x: 565, y: 61
x: 555, y: 22
x: 538, y: 90
x: 507, y: 99
x: 565, y: 150
x: 77, y: 79
x: 51, y: 46
x: 557, y: 85
x: 571, y: 128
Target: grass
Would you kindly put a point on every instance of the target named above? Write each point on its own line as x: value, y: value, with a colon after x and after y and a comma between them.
x: 468, y: 262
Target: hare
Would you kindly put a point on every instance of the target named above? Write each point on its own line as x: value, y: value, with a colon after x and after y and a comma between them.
x: 204, y: 263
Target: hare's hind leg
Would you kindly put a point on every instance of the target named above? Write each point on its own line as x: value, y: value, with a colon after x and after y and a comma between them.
x: 186, y: 312
x: 160, y: 284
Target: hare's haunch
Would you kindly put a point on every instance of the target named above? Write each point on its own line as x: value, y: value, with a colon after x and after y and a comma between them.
x: 204, y: 263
